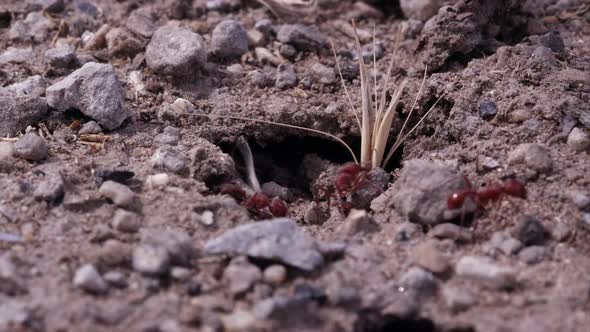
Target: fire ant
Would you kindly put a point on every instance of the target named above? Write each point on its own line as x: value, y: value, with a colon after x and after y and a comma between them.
x: 348, y: 179
x: 258, y: 204
x: 488, y: 194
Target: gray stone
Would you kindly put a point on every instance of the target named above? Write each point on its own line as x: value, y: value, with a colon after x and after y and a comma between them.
x: 357, y: 222
x: 420, y: 280
x: 535, y: 156
x: 485, y: 271
x: 122, y: 43
x: 11, y: 282
x: 51, y: 6
x: 420, y: 9
x: 429, y: 256
x: 371, y: 52
x: 151, y: 259
x: 578, y: 140
x: 170, y: 136
x: 457, y: 299
x: 303, y: 37
x: 504, y: 243
x: 553, y: 41
x: 275, y: 274
x: 533, y: 254
x: 451, y: 231
x: 288, y: 51
x: 286, y: 76
x: 561, y: 231
x: 126, y: 221
x: 175, y: 51
x: 141, y: 22
x: 375, y: 186
x: 411, y: 28
x: 422, y: 191
x: 17, y: 55
x: 50, y: 189
x: 580, y: 199
x: 223, y: 5
x: 180, y: 273
x: 487, y: 109
x: 240, y: 275
x: 118, y: 193
x: 260, y: 78
x: 88, y: 279
x: 169, y: 159
x: 177, y: 243
x: 19, y: 111
x: 31, y: 147
x: 279, y: 240
x: 229, y: 39
x: 314, y: 215
x: 61, y: 57
x: 530, y: 231
x: 13, y: 314
x: 323, y: 74
x: 35, y: 26
x: 265, y: 26
x: 6, y: 156
x: 94, y: 90
x: 90, y: 127
x: 32, y: 86
x: 115, y: 279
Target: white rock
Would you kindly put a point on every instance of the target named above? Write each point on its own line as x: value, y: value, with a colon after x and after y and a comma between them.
x: 487, y: 272
x: 88, y: 279
x: 118, y: 193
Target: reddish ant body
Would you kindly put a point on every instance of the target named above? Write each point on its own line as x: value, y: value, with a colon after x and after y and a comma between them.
x: 258, y: 204
x: 488, y: 194
x: 348, y: 179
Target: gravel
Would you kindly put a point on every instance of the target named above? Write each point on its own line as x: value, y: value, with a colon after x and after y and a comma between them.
x: 535, y: 156
x: 175, y: 51
x: 93, y: 89
x: 286, y: 76
x: 90, y: 127
x: 533, y: 254
x: 50, y: 189
x: 275, y: 274
x: 19, y: 111
x: 88, y: 279
x: 530, y: 231
x: 240, y: 275
x: 229, y: 39
x: 118, y: 193
x: 151, y: 260
x: 578, y: 140
x: 31, y: 147
x: 303, y: 37
x: 421, y: 192
x: 126, y: 221
x: 169, y: 159
x: 62, y: 57
x: 485, y: 271
x: 6, y: 156
x: 32, y: 86
x: 323, y: 74
x: 487, y: 109
x: 279, y: 240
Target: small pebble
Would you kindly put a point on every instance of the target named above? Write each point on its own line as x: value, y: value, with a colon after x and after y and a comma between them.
x: 90, y: 127
x: 288, y: 51
x: 536, y: 156
x: 88, y: 279
x: 323, y: 74
x: 486, y: 271
x: 116, y: 279
x: 457, y: 299
x: 180, y: 273
x: 303, y: 37
x: 487, y: 109
x: 115, y: 253
x: 229, y: 39
x: 175, y: 51
x: 530, y: 231
x: 118, y: 193
x: 533, y: 254
x: 561, y: 232
x: 553, y: 41
x: 314, y: 215
x: 418, y: 279
x: 31, y: 147
x: 451, y: 231
x: 158, y: 180
x: 519, y: 115
x: 275, y: 274
x: 240, y: 275
x: 125, y: 221
x: 357, y: 222
x: 169, y: 159
x: 61, y: 57
x: 286, y: 76
x: 151, y: 259
x: 428, y: 256
x: 578, y: 140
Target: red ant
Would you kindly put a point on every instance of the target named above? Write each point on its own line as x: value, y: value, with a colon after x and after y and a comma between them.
x: 349, y: 178
x: 258, y: 204
x: 488, y: 194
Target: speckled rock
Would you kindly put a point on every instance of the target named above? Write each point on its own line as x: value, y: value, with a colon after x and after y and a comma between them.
x: 175, y: 51
x: 31, y: 147
x: 19, y: 111
x: 229, y: 39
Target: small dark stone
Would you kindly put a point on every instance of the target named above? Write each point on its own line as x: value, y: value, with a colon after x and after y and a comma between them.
x: 288, y: 51
x: 530, y: 231
x: 487, y: 109
x: 193, y: 287
x: 120, y: 176
x: 312, y: 293
x: 553, y: 41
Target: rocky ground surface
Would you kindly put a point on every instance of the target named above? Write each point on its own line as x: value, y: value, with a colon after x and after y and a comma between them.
x: 113, y: 155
